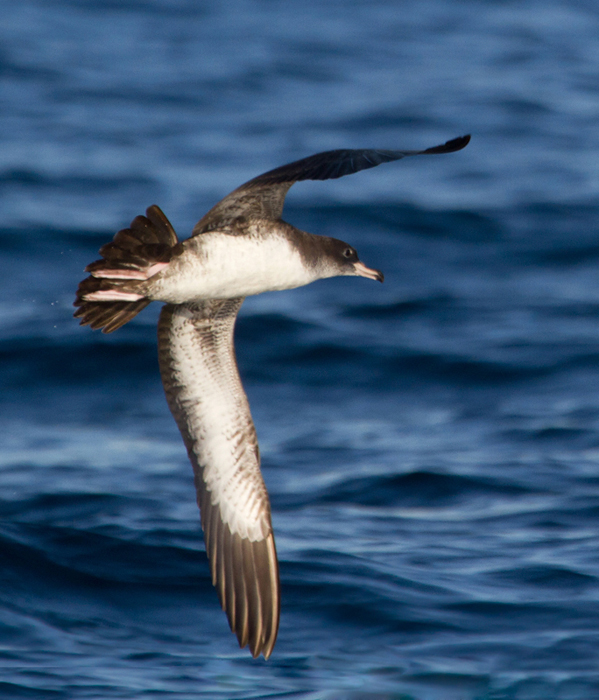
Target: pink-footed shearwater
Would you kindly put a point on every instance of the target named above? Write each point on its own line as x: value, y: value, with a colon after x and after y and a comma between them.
x: 240, y: 247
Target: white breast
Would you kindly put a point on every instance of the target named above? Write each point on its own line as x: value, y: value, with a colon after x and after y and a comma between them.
x: 217, y: 265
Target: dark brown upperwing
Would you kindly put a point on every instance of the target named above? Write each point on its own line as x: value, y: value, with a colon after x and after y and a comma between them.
x: 263, y: 196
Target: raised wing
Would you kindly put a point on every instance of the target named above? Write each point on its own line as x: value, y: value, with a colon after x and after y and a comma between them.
x: 205, y: 395
x: 264, y: 196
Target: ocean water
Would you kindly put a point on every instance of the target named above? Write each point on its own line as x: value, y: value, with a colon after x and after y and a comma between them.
x: 431, y: 445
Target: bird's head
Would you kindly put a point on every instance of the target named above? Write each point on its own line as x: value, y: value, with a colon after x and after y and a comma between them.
x: 340, y: 258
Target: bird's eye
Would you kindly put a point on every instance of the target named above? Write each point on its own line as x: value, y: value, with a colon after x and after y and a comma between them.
x: 349, y: 252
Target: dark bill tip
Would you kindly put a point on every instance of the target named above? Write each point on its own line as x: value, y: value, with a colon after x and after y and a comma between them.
x: 362, y: 271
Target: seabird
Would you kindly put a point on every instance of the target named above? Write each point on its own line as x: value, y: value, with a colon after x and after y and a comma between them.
x: 240, y: 247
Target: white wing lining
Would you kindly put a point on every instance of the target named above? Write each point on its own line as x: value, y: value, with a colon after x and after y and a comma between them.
x: 205, y: 395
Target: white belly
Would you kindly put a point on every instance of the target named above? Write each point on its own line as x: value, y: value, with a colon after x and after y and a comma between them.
x: 219, y: 266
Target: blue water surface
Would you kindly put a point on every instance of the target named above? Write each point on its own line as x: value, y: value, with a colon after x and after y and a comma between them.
x: 431, y: 445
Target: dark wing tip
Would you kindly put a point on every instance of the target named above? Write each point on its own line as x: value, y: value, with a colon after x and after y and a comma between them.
x: 450, y: 146
x: 246, y: 576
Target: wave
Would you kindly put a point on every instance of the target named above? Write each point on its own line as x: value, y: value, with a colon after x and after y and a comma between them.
x: 35, y: 179
x: 34, y: 548
x: 417, y: 489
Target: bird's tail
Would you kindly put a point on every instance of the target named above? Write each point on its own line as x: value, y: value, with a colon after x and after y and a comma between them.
x: 113, y: 294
